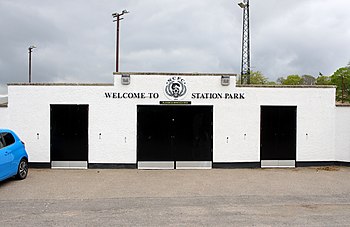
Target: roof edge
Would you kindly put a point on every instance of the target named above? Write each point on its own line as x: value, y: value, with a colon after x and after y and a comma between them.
x: 285, y: 86
x: 60, y: 84
x: 175, y: 74
x: 339, y: 104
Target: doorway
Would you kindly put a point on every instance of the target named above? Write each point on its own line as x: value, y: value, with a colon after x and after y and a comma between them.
x: 174, y: 137
x: 278, y: 136
x: 69, y: 136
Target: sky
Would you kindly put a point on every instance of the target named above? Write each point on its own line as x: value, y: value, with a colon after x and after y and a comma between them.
x: 76, y: 39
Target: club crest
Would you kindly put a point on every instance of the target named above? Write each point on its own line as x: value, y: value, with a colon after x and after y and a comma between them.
x: 175, y: 88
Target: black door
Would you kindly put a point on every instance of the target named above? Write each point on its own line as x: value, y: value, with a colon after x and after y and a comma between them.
x: 69, y: 132
x: 174, y: 133
x: 278, y: 133
x: 193, y: 132
x: 154, y: 137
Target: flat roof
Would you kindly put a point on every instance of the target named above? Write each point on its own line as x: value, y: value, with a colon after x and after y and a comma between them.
x: 110, y: 84
x: 345, y: 104
x: 174, y: 74
x: 285, y: 86
x: 60, y: 84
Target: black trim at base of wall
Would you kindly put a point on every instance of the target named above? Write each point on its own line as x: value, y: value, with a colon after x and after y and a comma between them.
x: 111, y: 166
x: 218, y: 165
x: 236, y: 165
x: 39, y: 165
x: 343, y: 164
x: 311, y: 164
x: 252, y: 165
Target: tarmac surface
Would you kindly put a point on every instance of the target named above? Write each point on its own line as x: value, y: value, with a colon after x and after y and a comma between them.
x: 217, y: 197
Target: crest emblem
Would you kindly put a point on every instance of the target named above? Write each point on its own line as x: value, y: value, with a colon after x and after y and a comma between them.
x: 175, y: 88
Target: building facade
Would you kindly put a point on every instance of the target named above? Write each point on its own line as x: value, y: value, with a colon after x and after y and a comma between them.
x: 178, y: 121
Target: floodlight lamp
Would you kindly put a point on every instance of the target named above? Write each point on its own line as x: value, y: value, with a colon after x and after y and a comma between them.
x: 32, y: 47
x: 125, y: 11
x: 242, y: 5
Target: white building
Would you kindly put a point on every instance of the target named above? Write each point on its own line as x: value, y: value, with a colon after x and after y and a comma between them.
x: 174, y: 120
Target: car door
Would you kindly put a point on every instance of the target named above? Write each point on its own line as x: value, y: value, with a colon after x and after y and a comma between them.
x: 6, y: 159
x: 13, y: 150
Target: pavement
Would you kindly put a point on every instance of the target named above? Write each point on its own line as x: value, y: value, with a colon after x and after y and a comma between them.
x: 217, y: 197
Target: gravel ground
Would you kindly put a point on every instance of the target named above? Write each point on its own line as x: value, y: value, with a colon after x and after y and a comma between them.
x: 220, y: 197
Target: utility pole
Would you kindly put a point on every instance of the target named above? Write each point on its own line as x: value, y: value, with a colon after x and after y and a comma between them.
x: 30, y: 50
x: 117, y: 17
x: 245, y: 67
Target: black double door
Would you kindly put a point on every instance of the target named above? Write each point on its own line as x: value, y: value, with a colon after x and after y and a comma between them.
x: 174, y: 133
x: 69, y: 133
x: 278, y: 133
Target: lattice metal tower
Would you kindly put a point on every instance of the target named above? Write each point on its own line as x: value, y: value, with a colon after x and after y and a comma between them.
x: 245, y: 67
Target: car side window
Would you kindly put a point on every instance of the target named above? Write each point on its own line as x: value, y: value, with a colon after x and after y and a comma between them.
x: 1, y: 142
x: 8, y: 138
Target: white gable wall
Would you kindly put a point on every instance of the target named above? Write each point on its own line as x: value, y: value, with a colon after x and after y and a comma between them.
x: 342, y: 138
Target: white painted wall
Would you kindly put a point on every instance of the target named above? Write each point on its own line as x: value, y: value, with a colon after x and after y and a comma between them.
x: 236, y: 122
x: 315, y: 117
x: 4, y: 117
x: 342, y: 138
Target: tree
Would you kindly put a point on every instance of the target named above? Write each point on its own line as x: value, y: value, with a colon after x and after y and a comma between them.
x: 258, y: 78
x: 341, y: 78
x: 323, y: 80
x: 308, y: 80
x: 293, y: 80
x: 280, y: 80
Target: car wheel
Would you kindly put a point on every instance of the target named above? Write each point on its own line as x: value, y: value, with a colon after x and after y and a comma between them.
x: 22, y: 169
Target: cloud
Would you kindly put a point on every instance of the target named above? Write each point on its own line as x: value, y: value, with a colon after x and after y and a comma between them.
x: 305, y: 39
x: 76, y: 39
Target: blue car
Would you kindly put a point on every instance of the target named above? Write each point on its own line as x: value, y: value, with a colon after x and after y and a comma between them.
x: 13, y: 156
